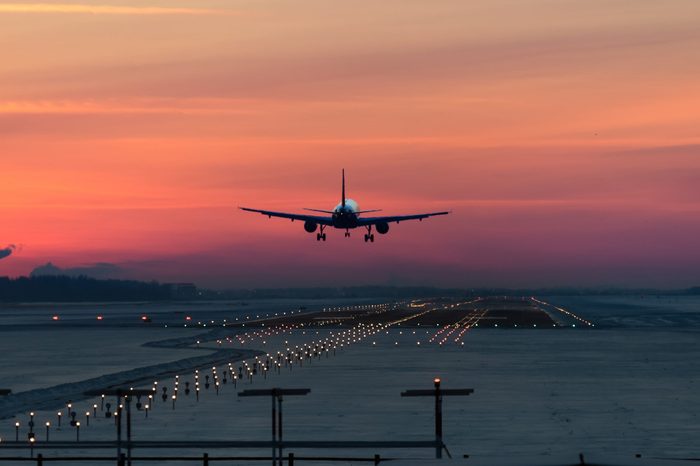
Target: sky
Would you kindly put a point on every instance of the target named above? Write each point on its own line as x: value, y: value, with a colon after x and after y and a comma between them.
x: 564, y: 136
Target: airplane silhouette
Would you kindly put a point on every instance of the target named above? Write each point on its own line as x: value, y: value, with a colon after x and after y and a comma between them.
x: 346, y: 216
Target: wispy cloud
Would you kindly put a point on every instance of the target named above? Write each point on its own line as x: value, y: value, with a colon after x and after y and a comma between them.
x: 78, y: 8
x: 7, y: 251
x: 130, y: 106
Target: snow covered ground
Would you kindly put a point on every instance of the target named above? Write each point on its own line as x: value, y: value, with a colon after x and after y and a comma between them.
x: 636, y: 311
x: 543, y: 395
x: 42, y: 357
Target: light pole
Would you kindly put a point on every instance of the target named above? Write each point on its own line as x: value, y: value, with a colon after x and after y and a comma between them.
x: 438, y: 393
x: 276, y: 396
x: 126, y: 394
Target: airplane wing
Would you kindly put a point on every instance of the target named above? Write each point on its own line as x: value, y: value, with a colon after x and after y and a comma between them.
x: 365, y: 221
x: 321, y: 220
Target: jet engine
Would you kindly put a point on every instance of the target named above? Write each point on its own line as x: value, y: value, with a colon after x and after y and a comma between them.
x: 310, y: 226
x: 382, y: 228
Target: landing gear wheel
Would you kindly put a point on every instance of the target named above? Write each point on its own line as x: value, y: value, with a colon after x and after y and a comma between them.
x: 347, y: 234
x: 318, y: 236
x: 369, y: 236
x: 323, y: 237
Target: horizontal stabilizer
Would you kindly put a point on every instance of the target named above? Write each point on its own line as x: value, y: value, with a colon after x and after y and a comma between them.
x: 319, y: 210
x: 368, y: 211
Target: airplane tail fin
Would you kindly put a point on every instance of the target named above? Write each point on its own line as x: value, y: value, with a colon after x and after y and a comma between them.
x: 342, y: 199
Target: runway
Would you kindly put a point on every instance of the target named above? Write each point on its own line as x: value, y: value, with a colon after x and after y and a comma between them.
x: 506, y: 312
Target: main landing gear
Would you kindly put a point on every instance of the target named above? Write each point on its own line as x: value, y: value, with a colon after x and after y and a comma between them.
x: 321, y: 236
x: 369, y: 236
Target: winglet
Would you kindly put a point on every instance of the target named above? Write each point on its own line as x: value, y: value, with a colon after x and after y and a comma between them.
x: 342, y: 199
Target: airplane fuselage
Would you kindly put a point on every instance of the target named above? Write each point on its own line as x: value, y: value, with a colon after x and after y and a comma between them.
x: 345, y: 216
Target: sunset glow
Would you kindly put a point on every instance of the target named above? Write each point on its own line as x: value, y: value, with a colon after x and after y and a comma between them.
x: 562, y: 135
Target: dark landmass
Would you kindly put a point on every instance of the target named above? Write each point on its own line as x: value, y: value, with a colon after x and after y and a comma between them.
x: 409, y: 292
x: 83, y: 289
x: 59, y: 288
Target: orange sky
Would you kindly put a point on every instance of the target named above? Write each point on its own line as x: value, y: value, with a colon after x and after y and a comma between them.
x: 563, y: 135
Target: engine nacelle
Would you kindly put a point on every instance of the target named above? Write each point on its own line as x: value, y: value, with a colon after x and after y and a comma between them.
x: 310, y: 226
x: 382, y: 228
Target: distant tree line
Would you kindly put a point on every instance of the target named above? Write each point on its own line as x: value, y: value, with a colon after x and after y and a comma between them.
x: 76, y: 289
x: 409, y: 292
x: 61, y: 288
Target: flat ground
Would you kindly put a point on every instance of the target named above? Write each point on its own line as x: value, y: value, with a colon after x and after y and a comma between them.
x: 541, y: 392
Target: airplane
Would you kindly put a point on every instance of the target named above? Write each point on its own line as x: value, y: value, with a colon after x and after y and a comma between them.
x: 344, y: 216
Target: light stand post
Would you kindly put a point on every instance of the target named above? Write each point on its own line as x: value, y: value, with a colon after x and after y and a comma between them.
x: 126, y: 395
x: 276, y: 396
x: 438, y: 393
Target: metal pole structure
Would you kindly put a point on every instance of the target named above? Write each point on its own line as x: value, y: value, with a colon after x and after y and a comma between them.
x: 276, y: 395
x: 127, y: 399
x: 438, y: 420
x: 125, y: 393
x: 119, y: 427
x: 438, y: 393
x: 279, y: 425
x: 274, y: 428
